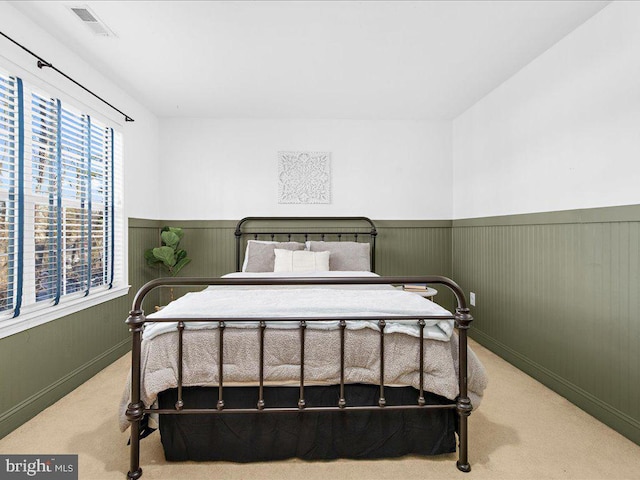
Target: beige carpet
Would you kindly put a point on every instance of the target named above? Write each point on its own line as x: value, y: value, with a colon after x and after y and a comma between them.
x: 522, y: 431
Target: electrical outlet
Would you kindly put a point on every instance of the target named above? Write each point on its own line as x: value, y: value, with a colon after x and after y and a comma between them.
x: 472, y: 299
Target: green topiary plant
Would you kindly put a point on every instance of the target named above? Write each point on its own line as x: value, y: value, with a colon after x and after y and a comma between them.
x: 168, y: 256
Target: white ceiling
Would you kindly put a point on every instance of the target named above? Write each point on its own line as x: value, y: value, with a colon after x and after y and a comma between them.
x: 324, y: 59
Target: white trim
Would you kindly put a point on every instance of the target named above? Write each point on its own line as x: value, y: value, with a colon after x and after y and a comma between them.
x: 32, y: 319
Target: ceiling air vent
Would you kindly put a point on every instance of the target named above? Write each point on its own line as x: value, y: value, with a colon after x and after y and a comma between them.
x: 90, y: 19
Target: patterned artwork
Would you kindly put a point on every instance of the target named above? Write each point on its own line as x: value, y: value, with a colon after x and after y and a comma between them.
x: 304, y: 177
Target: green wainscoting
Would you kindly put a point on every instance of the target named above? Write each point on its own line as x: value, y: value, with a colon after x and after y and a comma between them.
x: 403, y: 248
x: 558, y: 295
x: 416, y: 248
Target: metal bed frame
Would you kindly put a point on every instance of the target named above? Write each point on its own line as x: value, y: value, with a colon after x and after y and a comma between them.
x: 372, y: 232
x: 136, y: 321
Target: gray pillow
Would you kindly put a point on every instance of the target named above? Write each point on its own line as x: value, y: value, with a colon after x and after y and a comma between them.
x: 352, y: 256
x: 260, y: 256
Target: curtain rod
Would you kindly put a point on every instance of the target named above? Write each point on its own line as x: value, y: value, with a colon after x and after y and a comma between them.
x: 43, y: 63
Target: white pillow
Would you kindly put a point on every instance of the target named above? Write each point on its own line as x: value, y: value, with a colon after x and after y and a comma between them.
x: 300, y: 261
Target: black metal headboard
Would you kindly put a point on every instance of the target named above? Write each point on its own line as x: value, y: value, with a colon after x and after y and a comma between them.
x: 309, y: 228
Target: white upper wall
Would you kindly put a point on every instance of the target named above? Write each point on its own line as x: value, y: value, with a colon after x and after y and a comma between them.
x: 141, y: 188
x: 227, y: 169
x: 563, y: 133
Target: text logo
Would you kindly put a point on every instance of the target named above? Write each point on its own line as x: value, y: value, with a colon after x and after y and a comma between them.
x: 39, y: 467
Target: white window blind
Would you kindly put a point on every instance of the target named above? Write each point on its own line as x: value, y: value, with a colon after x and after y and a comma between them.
x: 8, y: 189
x: 60, y: 201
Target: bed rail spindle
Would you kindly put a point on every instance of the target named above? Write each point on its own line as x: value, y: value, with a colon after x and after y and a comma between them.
x: 382, y: 402
x: 288, y: 237
x: 355, y: 236
x: 221, y: 327
x: 255, y: 236
x: 339, y: 237
x: 273, y: 236
x: 263, y: 325
x: 421, y: 400
x: 301, y: 401
x: 374, y: 234
x: 342, y: 402
x: 180, y: 403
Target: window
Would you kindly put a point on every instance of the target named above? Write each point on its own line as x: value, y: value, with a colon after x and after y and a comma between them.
x: 60, y: 208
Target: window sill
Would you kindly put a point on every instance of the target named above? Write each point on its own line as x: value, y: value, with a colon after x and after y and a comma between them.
x: 28, y: 320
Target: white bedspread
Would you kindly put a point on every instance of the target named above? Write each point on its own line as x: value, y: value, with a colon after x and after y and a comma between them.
x: 160, y: 365
x: 306, y: 301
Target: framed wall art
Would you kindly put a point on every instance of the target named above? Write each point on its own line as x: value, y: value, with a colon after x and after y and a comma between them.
x: 304, y: 177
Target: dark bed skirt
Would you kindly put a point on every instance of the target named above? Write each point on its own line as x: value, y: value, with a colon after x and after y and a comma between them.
x: 258, y: 437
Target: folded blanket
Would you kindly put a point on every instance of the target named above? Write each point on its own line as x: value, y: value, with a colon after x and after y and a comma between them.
x: 308, y: 303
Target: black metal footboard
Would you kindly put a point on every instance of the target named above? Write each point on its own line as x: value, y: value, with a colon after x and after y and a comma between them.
x: 136, y: 321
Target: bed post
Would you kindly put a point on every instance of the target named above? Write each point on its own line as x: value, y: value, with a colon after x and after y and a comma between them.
x: 463, y: 404
x: 238, y: 235
x: 373, y: 235
x: 135, y: 410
